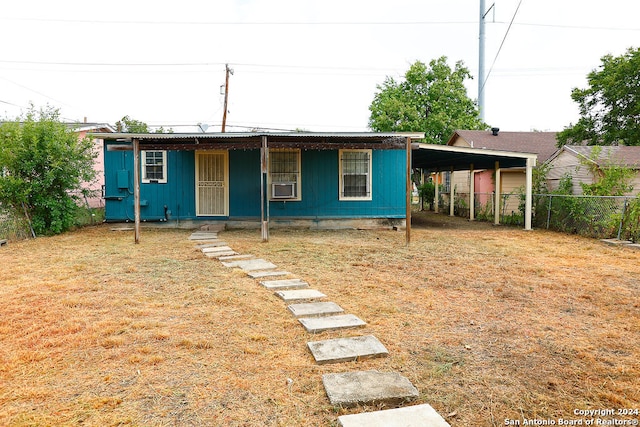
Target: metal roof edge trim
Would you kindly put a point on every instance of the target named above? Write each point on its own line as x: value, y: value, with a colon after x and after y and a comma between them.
x: 229, y: 135
x: 455, y: 149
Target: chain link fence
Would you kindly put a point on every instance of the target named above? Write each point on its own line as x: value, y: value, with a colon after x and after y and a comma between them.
x: 14, y: 224
x: 601, y: 217
x: 593, y: 216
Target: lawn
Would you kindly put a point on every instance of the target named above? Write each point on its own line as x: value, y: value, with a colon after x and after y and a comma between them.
x: 490, y: 324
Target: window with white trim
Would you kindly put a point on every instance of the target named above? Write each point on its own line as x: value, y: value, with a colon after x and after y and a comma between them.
x: 355, y: 174
x: 154, y: 166
x: 284, y: 174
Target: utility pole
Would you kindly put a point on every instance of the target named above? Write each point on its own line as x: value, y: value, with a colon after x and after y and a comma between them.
x: 226, y: 95
x: 480, y: 64
x: 481, y: 76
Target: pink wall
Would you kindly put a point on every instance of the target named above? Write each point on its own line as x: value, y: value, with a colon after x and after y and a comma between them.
x: 98, y: 165
x: 483, y: 184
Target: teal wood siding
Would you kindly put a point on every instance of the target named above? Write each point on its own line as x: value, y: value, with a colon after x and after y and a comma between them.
x: 319, y: 188
x: 177, y: 194
x: 244, y: 183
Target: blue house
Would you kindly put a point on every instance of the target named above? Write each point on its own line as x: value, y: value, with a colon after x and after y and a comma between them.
x: 313, y: 179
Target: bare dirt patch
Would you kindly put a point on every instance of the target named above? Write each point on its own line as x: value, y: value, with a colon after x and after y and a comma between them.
x: 489, y: 323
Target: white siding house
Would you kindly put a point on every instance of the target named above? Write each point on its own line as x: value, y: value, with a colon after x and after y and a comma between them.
x: 574, y: 160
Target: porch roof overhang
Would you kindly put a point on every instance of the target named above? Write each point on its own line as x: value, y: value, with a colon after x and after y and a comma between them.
x: 253, y: 140
x: 435, y: 158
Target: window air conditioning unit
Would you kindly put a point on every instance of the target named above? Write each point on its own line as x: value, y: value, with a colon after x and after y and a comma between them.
x: 283, y: 190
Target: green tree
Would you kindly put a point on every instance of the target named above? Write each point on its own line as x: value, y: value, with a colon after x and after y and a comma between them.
x: 431, y: 99
x: 43, y: 166
x: 610, y: 179
x: 129, y: 125
x: 610, y: 106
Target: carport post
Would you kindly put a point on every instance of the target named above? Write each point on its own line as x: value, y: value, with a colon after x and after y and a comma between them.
x: 437, y: 194
x: 498, y: 196
x: 472, y: 193
x: 528, y: 196
x: 452, y: 194
x: 136, y: 189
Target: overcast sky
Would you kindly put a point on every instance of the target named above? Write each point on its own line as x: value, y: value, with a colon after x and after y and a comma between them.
x: 308, y: 64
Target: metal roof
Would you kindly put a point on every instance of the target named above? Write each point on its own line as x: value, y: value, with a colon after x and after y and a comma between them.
x: 444, y: 158
x: 252, y: 135
x: 253, y: 140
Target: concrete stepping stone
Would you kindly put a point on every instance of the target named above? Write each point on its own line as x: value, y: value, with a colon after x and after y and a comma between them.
x: 315, y: 309
x: 235, y: 257
x: 251, y: 264
x: 351, y: 389
x: 218, y: 255
x: 331, y: 323
x: 346, y: 349
x: 418, y: 415
x: 216, y: 249
x: 262, y: 274
x: 299, y: 294
x: 212, y: 244
x: 203, y: 236
x: 284, y: 284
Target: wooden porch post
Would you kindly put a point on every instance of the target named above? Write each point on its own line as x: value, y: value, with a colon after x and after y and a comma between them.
x: 136, y: 189
x: 264, y: 195
x: 498, y: 196
x: 409, y: 194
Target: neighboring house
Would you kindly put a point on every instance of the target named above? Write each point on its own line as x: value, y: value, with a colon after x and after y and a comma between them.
x: 574, y: 160
x: 82, y: 129
x: 512, y: 180
x: 312, y: 179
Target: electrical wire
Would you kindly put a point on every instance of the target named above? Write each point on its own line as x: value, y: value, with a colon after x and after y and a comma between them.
x: 501, y: 45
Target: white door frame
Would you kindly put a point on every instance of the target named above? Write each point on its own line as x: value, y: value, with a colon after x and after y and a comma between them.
x: 225, y: 183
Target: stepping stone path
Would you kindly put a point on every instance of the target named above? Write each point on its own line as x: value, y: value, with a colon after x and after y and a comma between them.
x: 262, y: 274
x: 331, y: 323
x: 235, y: 257
x: 313, y: 309
x: 351, y: 389
x: 423, y: 415
x: 346, y: 349
x: 218, y: 251
x: 299, y: 294
x: 284, y: 284
x: 346, y: 389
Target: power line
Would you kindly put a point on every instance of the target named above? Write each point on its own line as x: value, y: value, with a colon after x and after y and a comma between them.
x: 501, y: 44
x: 257, y: 23
x: 34, y: 91
x: 305, y: 23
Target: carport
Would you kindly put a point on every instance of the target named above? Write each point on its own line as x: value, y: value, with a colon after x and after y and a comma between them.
x: 441, y: 158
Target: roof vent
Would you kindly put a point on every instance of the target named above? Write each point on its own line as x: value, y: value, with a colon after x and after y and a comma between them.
x: 494, y: 131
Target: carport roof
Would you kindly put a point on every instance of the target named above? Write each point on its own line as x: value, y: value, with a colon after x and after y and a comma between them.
x: 444, y: 158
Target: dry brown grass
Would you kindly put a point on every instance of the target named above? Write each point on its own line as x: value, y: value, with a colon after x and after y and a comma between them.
x: 488, y: 323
